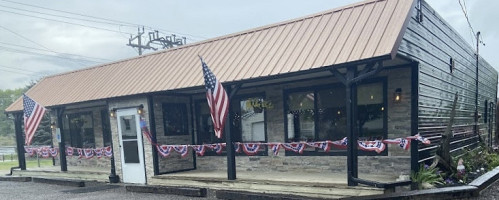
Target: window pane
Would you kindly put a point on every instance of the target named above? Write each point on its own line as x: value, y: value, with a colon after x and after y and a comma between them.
x: 301, y: 126
x: 106, y: 127
x: 131, y: 151
x: 332, y: 114
x: 175, y: 119
x: 370, y: 110
x: 252, y: 120
x: 128, y: 127
x: 205, y: 131
x: 81, y: 129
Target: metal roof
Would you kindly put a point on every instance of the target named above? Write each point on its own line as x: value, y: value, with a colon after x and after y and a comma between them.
x: 359, y: 31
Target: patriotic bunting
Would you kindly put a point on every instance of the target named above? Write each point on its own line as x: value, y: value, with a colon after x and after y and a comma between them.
x: 98, y: 152
x: 420, y: 138
x: 108, y: 151
x: 251, y: 148
x: 181, y: 149
x: 30, y: 151
x: 376, y: 145
x: 80, y: 152
x: 218, y: 147
x: 340, y: 144
x: 324, y: 145
x: 401, y: 142
x: 296, y: 147
x: 43, y: 152
x: 199, y: 149
x: 275, y: 148
x: 53, y: 152
x: 237, y: 147
x: 69, y: 151
x: 89, y: 153
x: 164, y: 150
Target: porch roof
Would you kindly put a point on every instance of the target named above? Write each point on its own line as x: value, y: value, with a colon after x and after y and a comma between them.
x: 365, y: 30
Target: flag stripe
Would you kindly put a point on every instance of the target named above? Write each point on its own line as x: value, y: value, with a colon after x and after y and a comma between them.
x: 217, y: 99
x: 33, y: 114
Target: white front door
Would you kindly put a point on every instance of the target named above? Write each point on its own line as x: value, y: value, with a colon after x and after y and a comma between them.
x: 132, y: 151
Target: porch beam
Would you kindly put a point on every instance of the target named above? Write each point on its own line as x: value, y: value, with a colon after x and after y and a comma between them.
x: 152, y: 124
x: 18, y: 120
x: 231, y: 154
x: 62, y: 145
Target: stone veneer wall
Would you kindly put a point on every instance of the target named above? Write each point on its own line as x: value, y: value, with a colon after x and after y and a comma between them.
x: 396, y: 163
x: 72, y: 161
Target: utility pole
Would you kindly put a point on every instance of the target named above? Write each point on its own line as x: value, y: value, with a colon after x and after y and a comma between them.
x: 154, y: 38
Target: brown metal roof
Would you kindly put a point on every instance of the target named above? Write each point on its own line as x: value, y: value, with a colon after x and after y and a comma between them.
x: 359, y: 31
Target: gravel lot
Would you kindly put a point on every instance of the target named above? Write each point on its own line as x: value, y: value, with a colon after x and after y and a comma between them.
x: 30, y: 190
x: 491, y: 193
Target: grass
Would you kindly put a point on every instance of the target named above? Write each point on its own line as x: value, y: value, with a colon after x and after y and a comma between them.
x: 30, y: 163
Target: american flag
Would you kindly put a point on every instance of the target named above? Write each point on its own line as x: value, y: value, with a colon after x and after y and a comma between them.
x: 33, y: 113
x: 218, y: 101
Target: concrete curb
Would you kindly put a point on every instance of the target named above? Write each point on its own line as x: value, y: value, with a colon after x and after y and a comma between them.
x: 15, y: 178
x: 242, y: 195
x: 184, y: 191
x: 66, y: 182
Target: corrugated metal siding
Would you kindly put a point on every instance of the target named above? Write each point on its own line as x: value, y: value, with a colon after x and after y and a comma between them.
x: 433, y: 43
x: 360, y: 31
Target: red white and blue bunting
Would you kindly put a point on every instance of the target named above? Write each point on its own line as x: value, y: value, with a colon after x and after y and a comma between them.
x: 251, y: 149
x: 199, y: 149
x: 296, y: 147
x: 108, y: 151
x: 98, y: 152
x: 164, y: 150
x: 47, y: 152
x: 181, y: 149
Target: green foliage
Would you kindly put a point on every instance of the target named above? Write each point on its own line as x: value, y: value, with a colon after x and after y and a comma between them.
x: 429, y: 175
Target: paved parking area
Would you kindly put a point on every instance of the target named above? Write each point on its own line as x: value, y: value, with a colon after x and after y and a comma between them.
x: 33, y: 191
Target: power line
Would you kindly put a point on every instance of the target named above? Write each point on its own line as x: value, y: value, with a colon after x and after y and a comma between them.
x: 95, y: 58
x: 111, y: 21
x: 474, y: 35
x: 13, y: 32
x: 41, y: 54
x: 17, y: 69
x: 14, y: 72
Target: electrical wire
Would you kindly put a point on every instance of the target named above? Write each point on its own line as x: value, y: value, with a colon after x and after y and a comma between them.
x: 110, y: 21
x: 41, y: 54
x: 17, y: 69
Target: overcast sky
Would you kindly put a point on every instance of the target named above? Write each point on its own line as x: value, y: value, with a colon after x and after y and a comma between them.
x: 39, y: 38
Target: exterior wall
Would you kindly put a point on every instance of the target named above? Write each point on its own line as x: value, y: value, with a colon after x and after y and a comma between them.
x: 433, y: 43
x: 73, y: 161
x: 398, y: 124
x: 124, y: 103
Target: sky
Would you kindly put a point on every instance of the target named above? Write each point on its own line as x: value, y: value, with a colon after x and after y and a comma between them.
x: 40, y: 38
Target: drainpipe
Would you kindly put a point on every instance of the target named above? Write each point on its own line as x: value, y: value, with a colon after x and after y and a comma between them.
x: 476, y: 87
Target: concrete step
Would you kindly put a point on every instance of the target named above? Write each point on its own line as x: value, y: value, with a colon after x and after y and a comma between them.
x: 81, y: 175
x: 311, y: 190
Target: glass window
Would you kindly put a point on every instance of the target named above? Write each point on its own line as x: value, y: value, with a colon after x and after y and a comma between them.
x: 252, y: 117
x: 175, y: 119
x: 371, y: 110
x: 81, y: 130
x: 331, y: 114
x: 205, y: 130
x: 301, y: 123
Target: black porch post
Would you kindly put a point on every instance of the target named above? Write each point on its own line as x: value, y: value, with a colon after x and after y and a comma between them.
x: 231, y: 154
x: 352, y: 134
x: 62, y: 145
x: 18, y: 120
x: 152, y: 124
x: 414, y: 118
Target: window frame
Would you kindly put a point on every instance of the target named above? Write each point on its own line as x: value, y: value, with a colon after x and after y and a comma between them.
x: 69, y: 116
x: 185, y: 118
x: 315, y: 89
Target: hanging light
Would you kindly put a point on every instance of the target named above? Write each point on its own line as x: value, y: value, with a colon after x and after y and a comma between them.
x: 52, y: 125
x: 140, y: 110
x: 397, y: 96
x: 112, y: 113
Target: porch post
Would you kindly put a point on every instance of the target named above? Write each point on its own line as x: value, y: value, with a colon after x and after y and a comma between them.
x: 152, y: 124
x: 231, y: 154
x: 352, y: 134
x: 414, y: 117
x: 62, y: 145
x: 18, y: 120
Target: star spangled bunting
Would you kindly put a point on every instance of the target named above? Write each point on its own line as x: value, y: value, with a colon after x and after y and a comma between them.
x: 217, y: 98
x: 43, y: 152
x: 98, y: 152
x: 164, y: 150
x: 251, y: 149
x: 401, y: 142
x: 199, y: 149
x: 237, y: 147
x: 31, y: 152
x: 218, y: 147
x: 275, y: 148
x: 376, y: 145
x: 69, y: 151
x: 419, y: 138
x: 89, y: 153
x: 33, y: 113
x: 53, y: 152
x: 108, y: 151
x: 340, y: 144
x: 80, y: 152
x: 295, y: 147
x: 181, y: 149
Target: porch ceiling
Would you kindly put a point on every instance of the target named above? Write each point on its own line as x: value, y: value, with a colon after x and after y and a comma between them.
x: 365, y: 30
